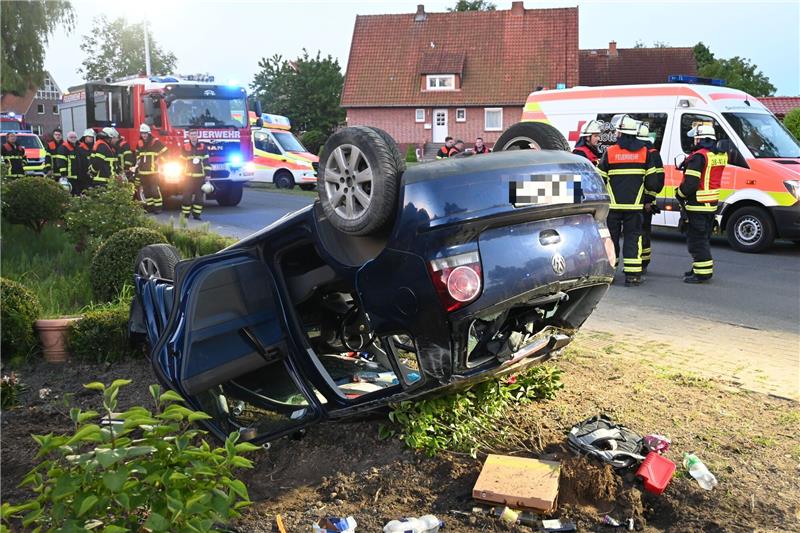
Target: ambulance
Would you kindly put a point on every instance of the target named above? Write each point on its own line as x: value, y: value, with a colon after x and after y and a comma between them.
x: 279, y: 157
x: 760, y: 191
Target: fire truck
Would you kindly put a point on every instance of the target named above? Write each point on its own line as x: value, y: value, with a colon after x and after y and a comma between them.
x: 171, y: 106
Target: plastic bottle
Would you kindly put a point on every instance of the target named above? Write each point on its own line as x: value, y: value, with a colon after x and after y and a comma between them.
x: 423, y: 524
x: 699, y: 471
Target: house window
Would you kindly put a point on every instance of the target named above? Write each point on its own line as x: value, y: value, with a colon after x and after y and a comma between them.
x: 461, y: 114
x: 55, y: 110
x: 419, y: 115
x: 493, y: 119
x: 441, y: 82
x: 40, y: 109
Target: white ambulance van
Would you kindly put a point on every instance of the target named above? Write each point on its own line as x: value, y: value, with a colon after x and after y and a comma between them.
x: 760, y: 192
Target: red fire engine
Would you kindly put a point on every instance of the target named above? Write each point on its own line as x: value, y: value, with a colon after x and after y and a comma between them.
x: 171, y: 106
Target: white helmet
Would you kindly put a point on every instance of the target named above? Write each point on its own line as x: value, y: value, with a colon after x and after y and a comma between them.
x: 644, y: 133
x: 702, y: 131
x: 88, y: 133
x: 111, y: 132
x: 207, y: 188
x: 590, y: 128
x: 625, y: 124
x: 144, y: 128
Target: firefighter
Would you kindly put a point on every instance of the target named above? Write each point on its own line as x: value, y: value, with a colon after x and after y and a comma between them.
x: 126, y: 156
x: 444, y: 151
x: 14, y: 157
x: 457, y: 148
x: 149, y: 152
x: 84, y: 162
x: 65, y: 161
x: 196, y: 167
x: 103, y: 160
x: 588, y: 142
x: 650, y: 206
x: 626, y: 167
x: 51, y: 148
x: 480, y: 148
x: 699, y: 194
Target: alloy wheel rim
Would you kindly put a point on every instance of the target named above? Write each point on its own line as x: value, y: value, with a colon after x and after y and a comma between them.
x: 521, y: 143
x: 148, y: 268
x: 348, y: 182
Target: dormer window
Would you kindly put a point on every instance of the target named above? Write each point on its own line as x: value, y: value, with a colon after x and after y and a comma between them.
x: 441, y: 82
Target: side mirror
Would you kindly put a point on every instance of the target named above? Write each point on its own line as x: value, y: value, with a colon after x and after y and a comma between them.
x: 679, y: 160
x: 257, y: 107
x: 259, y: 123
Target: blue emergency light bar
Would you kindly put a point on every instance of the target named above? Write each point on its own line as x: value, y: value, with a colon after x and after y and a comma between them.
x: 695, y: 80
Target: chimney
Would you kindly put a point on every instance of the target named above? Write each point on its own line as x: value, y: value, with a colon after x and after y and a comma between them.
x: 517, y: 8
x: 612, y: 49
x: 421, y: 15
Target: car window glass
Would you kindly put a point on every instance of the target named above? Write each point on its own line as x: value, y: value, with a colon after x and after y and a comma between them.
x: 656, y: 122
x: 260, y: 141
x: 152, y: 112
x: 271, y: 146
x: 689, y: 121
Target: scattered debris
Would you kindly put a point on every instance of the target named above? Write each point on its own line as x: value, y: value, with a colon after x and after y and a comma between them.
x: 609, y: 442
x: 557, y: 524
x: 332, y: 524
x: 423, y: 524
x: 656, y: 443
x: 518, y: 482
x: 656, y: 472
x: 699, y: 471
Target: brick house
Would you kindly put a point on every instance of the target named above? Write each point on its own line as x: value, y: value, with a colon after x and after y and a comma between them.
x: 780, y: 105
x: 633, y: 66
x: 423, y: 76
x: 39, y: 106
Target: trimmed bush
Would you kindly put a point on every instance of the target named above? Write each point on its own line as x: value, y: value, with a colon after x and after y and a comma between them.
x: 19, y: 308
x: 792, y: 122
x: 194, y: 242
x: 411, y: 154
x: 101, y: 335
x: 33, y: 201
x: 313, y: 140
x: 100, y: 212
x: 112, y: 265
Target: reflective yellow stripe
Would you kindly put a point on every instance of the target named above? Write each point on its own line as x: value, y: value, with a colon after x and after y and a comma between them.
x: 639, y: 196
x: 701, y: 208
x: 653, y: 170
x: 708, y: 263
x: 695, y: 173
x: 703, y: 271
x: 627, y: 171
x: 625, y: 207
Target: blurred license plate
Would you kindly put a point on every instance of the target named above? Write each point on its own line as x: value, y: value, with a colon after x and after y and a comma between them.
x: 545, y: 189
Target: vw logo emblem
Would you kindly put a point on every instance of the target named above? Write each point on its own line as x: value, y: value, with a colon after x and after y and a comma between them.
x: 559, y: 264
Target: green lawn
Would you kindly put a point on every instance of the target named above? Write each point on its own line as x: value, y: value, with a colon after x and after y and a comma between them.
x: 272, y: 188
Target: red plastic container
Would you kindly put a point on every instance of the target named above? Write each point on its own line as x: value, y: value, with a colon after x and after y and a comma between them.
x: 656, y: 472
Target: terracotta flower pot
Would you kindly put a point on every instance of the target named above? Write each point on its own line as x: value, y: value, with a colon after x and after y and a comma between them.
x: 53, y: 338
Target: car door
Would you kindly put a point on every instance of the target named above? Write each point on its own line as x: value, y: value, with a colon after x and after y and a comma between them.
x: 227, y: 350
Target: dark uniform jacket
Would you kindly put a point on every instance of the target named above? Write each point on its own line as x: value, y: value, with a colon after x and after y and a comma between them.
x: 127, y: 158
x: 83, y: 162
x: 195, y: 159
x: 482, y: 150
x: 148, y: 154
x: 590, y: 153
x: 443, y: 152
x: 65, y: 161
x: 628, y: 173
x: 655, y: 184
x: 104, y: 161
x: 14, y: 157
x: 51, y: 148
x: 701, y: 180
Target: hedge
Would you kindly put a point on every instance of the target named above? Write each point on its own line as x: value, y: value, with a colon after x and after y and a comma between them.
x: 34, y: 201
x: 101, y: 335
x: 100, y: 212
x: 113, y: 266
x: 792, y: 122
x: 193, y: 242
x: 19, y: 308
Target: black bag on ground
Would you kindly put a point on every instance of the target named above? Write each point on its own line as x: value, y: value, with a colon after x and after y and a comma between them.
x: 611, y: 443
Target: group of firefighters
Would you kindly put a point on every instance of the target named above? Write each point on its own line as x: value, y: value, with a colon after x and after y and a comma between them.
x: 455, y: 148
x: 100, y: 156
x: 634, y: 175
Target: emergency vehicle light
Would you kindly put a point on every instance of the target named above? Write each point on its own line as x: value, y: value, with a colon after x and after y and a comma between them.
x: 235, y: 160
x: 276, y: 121
x: 695, y: 80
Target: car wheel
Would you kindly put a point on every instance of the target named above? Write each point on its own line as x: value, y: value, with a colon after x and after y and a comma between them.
x: 531, y: 136
x: 157, y: 261
x: 399, y: 161
x: 750, y: 229
x: 230, y: 196
x: 359, y: 175
x: 283, y: 179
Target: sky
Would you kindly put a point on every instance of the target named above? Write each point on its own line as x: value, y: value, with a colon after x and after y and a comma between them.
x: 227, y: 38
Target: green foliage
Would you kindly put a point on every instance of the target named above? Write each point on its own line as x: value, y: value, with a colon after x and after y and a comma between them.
x: 411, y: 154
x: 122, y: 55
x: 100, y: 212
x: 113, y: 265
x: 19, y: 308
x: 473, y: 5
x: 737, y: 72
x: 470, y: 420
x: 101, y: 335
x: 792, y: 122
x: 193, y: 242
x: 11, y: 388
x: 307, y: 90
x: 314, y: 140
x: 656, y: 44
x: 27, y: 27
x: 33, y: 201
x: 153, y: 472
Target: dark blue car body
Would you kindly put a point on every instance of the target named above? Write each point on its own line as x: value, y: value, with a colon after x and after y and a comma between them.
x: 240, y: 333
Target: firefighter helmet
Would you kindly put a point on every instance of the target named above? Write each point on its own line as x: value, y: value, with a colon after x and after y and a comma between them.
x: 702, y: 131
x: 590, y: 128
x: 644, y: 133
x: 625, y: 124
x: 88, y: 133
x: 111, y: 132
x: 144, y: 128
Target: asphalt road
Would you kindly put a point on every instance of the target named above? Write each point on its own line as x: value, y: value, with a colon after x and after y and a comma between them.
x: 759, y: 291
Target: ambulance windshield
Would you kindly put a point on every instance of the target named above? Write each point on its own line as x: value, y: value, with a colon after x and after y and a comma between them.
x: 288, y: 142
x: 763, y: 135
x: 207, y: 112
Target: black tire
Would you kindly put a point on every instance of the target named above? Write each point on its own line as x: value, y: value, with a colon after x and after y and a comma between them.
x: 399, y: 161
x: 750, y: 229
x: 283, y: 179
x: 308, y: 186
x: 531, y: 135
x: 359, y: 149
x: 231, y: 195
x: 157, y: 261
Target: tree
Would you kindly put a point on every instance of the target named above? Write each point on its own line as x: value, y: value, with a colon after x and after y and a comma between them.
x: 27, y: 27
x: 792, y: 122
x: 474, y: 5
x: 738, y: 72
x: 656, y: 44
x: 116, y: 49
x: 307, y: 90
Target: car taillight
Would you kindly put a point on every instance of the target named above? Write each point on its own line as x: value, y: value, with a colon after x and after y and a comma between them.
x: 457, y: 279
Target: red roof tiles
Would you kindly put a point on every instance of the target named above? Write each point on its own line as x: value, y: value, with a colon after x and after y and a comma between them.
x: 780, y: 105
x: 442, y: 63
x: 632, y: 66
x: 17, y: 104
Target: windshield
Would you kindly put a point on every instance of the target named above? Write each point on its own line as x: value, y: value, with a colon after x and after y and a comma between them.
x: 289, y: 142
x: 11, y: 125
x: 763, y: 135
x: 26, y: 141
x: 207, y: 112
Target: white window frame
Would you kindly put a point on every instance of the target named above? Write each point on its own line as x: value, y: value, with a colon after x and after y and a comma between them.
x: 417, y: 113
x: 463, y: 112
x: 55, y: 109
x: 436, y: 87
x: 40, y: 106
x: 486, y: 111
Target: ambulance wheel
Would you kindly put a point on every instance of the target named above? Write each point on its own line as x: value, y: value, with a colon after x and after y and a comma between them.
x: 750, y: 229
x: 230, y: 196
x: 283, y: 179
x: 531, y: 136
x: 157, y: 261
x: 359, y: 176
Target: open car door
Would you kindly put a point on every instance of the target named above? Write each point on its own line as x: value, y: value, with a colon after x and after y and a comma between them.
x: 225, y: 348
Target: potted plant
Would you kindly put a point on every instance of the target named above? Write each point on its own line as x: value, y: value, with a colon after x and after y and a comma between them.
x: 53, y: 337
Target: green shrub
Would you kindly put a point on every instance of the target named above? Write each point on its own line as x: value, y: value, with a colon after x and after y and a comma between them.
x: 313, y: 140
x: 19, y: 308
x: 100, y: 212
x: 112, y: 265
x: 193, y: 242
x: 101, y: 335
x: 11, y: 388
x: 33, y: 201
x: 154, y: 472
x: 411, y: 154
x: 792, y: 122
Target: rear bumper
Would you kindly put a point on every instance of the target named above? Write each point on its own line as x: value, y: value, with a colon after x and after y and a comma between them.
x: 787, y: 221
